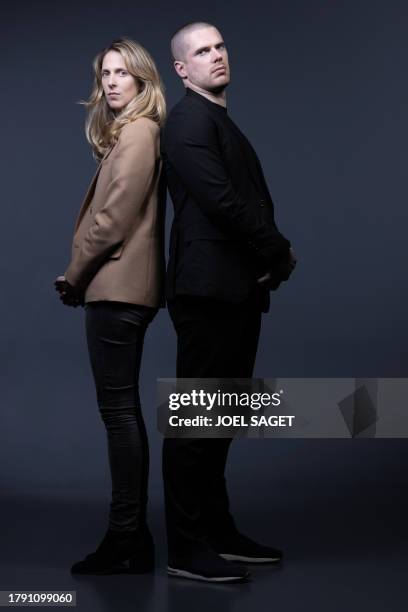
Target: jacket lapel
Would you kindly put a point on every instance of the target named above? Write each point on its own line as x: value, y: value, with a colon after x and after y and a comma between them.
x: 91, y: 190
x: 253, y: 164
x: 88, y: 197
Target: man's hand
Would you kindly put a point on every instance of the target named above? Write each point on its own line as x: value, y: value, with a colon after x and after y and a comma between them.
x: 293, y: 256
x: 69, y: 295
x: 272, y: 279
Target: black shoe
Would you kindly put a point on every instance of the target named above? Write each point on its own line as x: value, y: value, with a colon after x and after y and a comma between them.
x: 208, y: 566
x: 238, y: 547
x: 120, y: 553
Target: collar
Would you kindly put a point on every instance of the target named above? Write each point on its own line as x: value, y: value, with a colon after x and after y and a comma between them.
x: 206, y: 101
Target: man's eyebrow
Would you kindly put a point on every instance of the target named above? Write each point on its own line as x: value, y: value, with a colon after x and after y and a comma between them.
x: 201, y: 49
x: 221, y: 42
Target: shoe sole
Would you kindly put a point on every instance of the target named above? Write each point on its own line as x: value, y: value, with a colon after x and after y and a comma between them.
x: 228, y: 557
x: 179, y: 573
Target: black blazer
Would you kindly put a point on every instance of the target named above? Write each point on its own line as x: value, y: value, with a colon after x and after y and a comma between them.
x: 224, y: 234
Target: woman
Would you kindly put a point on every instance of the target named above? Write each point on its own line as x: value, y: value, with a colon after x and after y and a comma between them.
x: 117, y: 271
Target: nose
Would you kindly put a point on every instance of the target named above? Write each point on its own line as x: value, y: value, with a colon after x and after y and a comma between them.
x: 112, y: 80
x: 217, y: 56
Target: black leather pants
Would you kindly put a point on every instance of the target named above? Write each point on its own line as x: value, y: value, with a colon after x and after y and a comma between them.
x: 115, y: 333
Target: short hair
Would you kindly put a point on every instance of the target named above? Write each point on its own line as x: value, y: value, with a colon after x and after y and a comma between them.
x: 177, y: 40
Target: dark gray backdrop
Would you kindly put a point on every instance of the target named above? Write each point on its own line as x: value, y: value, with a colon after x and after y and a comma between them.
x: 320, y: 89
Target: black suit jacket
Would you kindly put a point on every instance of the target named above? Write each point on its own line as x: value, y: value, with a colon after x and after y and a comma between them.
x: 224, y: 234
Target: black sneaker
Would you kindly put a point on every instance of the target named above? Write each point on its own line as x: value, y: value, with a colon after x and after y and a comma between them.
x: 238, y: 547
x: 120, y: 553
x: 208, y: 566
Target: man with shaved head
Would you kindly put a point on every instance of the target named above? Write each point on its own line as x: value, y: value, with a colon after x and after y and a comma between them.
x: 226, y: 254
x: 179, y: 42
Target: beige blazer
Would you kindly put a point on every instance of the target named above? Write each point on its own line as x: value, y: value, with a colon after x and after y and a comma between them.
x: 118, y: 245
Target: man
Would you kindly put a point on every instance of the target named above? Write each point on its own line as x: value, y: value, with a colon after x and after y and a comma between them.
x: 226, y: 253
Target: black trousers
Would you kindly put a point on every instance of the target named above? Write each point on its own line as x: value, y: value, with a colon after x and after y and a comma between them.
x: 115, y: 334
x: 214, y: 339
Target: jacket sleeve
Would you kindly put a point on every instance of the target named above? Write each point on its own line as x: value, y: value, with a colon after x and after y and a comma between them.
x: 192, y: 148
x: 132, y: 167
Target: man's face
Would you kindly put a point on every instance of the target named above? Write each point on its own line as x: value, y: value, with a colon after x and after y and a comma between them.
x: 205, y: 61
x: 119, y: 86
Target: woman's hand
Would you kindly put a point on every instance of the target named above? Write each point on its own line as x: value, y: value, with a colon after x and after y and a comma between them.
x: 69, y: 295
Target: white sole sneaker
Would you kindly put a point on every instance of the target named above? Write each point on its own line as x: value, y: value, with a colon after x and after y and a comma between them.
x: 249, y: 559
x: 180, y: 573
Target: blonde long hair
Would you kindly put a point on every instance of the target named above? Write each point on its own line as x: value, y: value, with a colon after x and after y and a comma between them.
x: 102, y: 126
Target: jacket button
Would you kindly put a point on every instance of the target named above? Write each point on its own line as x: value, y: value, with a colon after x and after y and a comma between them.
x: 262, y: 203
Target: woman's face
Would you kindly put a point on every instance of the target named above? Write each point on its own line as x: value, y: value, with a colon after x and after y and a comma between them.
x: 119, y: 86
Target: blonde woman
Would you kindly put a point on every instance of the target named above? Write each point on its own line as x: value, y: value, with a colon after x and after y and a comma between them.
x: 116, y: 272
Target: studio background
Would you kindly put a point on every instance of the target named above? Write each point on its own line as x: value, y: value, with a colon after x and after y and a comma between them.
x: 320, y: 90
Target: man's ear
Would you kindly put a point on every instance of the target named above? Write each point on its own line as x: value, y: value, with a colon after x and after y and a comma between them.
x: 179, y: 68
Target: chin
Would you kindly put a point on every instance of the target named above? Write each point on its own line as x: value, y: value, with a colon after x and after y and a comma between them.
x: 220, y: 86
x: 222, y: 80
